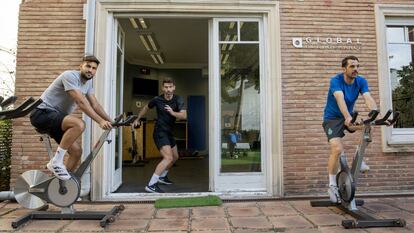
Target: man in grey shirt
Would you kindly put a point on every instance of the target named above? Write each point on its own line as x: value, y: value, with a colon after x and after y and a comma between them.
x: 72, y: 88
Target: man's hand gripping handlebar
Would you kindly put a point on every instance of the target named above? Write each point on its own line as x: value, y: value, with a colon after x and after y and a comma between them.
x: 372, y: 119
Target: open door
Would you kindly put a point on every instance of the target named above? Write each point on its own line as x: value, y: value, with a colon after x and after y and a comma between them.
x: 237, y: 59
x: 117, y: 94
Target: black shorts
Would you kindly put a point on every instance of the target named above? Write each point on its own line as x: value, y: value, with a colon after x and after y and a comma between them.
x: 163, y: 138
x: 335, y: 128
x: 48, y: 121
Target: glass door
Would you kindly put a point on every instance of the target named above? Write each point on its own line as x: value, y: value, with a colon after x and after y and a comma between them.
x: 238, y: 75
x: 117, y: 92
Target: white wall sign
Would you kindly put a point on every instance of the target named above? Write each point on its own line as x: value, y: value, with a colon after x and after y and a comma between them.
x: 327, y: 43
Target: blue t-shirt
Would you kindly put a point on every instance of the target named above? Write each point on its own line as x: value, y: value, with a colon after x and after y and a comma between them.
x: 351, y: 93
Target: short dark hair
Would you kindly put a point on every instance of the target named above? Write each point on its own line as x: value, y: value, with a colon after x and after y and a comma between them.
x: 345, y: 60
x: 90, y: 58
x: 168, y: 80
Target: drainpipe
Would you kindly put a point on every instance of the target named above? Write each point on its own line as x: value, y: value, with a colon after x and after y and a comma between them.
x: 7, y: 195
x: 89, y: 16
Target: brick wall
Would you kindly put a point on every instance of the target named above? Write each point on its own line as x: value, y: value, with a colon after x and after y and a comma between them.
x: 50, y: 40
x: 305, y: 79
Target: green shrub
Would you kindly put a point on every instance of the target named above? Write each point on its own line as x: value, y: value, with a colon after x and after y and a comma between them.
x: 5, y: 153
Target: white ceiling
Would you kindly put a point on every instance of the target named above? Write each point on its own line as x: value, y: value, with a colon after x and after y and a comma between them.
x: 183, y: 42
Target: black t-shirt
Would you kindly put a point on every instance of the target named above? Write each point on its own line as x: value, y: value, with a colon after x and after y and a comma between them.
x: 165, y: 120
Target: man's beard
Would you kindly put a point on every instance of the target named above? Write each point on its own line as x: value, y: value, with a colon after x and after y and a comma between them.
x: 84, y: 76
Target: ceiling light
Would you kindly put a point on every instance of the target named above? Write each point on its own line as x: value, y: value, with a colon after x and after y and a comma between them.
x: 154, y: 58
x: 152, y: 42
x: 144, y: 42
x: 134, y: 24
x: 223, y: 47
x: 231, y: 26
x: 226, y: 57
x: 160, y: 58
x: 142, y: 22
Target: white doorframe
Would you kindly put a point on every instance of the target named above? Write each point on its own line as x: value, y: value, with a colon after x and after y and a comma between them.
x: 268, y: 10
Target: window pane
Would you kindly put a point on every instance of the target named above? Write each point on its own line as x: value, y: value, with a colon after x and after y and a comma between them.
x: 249, y: 31
x: 402, y: 82
x: 228, y: 31
x: 395, y: 34
x: 240, y: 109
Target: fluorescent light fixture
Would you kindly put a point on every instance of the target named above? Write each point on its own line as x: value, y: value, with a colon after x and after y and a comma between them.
x: 154, y: 58
x: 134, y: 24
x: 144, y: 42
x: 227, y: 37
x: 160, y: 58
x: 223, y: 47
x: 142, y: 22
x: 231, y: 25
x: 226, y: 57
x: 152, y: 42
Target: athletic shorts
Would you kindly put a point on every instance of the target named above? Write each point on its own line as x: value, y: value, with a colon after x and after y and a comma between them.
x: 335, y: 128
x: 48, y: 121
x: 162, y: 138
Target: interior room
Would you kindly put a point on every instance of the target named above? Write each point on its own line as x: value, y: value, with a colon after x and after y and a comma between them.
x: 157, y: 48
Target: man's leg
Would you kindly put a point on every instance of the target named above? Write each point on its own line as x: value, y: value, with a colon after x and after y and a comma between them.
x: 163, y: 179
x: 333, y: 165
x: 75, y: 153
x: 72, y: 128
x: 167, y: 158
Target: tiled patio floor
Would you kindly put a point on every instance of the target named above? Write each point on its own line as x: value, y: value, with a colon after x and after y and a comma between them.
x: 235, y: 217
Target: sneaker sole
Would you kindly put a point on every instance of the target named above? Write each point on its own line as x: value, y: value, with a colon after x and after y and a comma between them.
x: 149, y: 190
x: 163, y: 182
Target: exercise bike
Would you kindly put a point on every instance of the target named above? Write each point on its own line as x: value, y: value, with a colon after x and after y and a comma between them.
x: 137, y: 160
x: 347, y: 179
x: 34, y: 189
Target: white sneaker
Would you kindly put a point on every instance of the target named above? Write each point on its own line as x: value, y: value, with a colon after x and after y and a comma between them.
x: 334, y: 194
x: 364, y: 167
x: 59, y: 170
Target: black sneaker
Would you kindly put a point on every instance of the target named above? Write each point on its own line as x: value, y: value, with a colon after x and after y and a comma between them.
x: 164, y: 180
x: 153, y: 189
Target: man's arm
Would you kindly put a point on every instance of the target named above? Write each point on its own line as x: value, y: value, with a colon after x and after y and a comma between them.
x: 181, y: 115
x: 339, y: 96
x: 141, y: 113
x: 369, y: 101
x: 97, y: 107
x: 84, y: 105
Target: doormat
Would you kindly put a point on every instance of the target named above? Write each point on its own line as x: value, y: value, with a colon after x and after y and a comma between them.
x: 209, y: 200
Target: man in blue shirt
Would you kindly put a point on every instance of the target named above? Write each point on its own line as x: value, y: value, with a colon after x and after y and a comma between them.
x: 343, y: 92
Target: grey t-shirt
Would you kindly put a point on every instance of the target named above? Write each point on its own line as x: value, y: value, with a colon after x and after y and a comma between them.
x: 56, y: 95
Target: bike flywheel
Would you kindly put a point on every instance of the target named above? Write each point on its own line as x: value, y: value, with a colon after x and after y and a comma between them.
x: 346, y: 186
x: 23, y: 183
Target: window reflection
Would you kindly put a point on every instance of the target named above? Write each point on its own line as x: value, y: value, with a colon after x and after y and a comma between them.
x: 401, y: 56
x: 240, y: 109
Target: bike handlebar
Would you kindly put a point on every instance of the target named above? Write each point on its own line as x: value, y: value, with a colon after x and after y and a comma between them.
x: 373, y: 115
x: 126, y: 122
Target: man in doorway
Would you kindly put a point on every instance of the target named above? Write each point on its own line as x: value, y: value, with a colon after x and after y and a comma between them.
x: 343, y: 92
x: 169, y: 108
x: 70, y: 89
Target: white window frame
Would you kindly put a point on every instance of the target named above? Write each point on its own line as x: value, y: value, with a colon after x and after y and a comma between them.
x: 393, y: 140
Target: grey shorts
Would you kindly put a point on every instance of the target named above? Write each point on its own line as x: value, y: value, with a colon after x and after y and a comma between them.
x: 335, y: 128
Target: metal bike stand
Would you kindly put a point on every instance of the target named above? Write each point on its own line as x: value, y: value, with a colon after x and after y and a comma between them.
x: 69, y: 213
